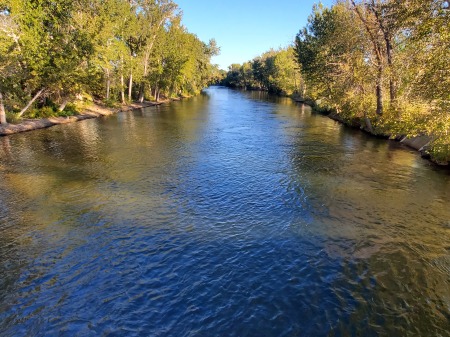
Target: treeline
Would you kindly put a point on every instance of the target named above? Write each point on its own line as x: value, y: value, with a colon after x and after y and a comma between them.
x: 54, y: 52
x: 275, y: 71
x: 382, y: 65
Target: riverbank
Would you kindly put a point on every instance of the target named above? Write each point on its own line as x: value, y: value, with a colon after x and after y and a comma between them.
x: 419, y: 143
x: 95, y: 110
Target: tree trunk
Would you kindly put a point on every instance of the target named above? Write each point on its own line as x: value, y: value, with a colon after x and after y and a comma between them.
x: 108, y: 84
x: 142, y: 87
x: 156, y: 93
x: 379, y: 91
x: 63, y: 104
x: 146, y: 58
x: 122, y: 89
x: 2, y: 111
x: 387, y: 39
x: 392, y: 90
x: 141, y: 92
x: 378, y: 55
x: 130, y: 86
x: 122, y: 82
x: 30, y: 103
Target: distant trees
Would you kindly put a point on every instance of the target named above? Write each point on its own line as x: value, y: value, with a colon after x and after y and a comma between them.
x: 275, y: 71
x: 384, y: 63
x: 54, y: 51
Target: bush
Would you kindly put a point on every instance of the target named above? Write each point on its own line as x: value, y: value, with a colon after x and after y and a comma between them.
x: 32, y: 113
x: 69, y: 110
x: 47, y: 111
x: 44, y: 112
x: 440, y: 151
x: 110, y: 103
x: 12, y: 117
x: 81, y: 105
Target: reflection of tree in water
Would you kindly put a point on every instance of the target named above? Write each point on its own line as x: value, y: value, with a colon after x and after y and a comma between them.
x: 54, y: 180
x: 18, y: 249
x: 6, y: 147
x: 359, y: 192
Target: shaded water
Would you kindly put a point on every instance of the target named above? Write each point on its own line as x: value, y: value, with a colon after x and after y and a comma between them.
x: 229, y: 214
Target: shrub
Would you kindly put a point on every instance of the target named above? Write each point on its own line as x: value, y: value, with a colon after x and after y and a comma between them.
x: 12, y: 117
x: 110, y: 103
x: 69, y: 110
x: 47, y: 111
x: 440, y: 151
x: 44, y: 112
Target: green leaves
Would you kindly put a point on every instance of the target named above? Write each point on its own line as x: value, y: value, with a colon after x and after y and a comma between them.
x: 275, y: 71
x: 64, y: 48
x: 361, y: 58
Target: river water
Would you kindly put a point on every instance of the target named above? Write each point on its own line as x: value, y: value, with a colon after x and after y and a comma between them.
x: 228, y: 214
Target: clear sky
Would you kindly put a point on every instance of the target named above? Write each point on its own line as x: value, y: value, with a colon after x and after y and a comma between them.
x: 245, y: 29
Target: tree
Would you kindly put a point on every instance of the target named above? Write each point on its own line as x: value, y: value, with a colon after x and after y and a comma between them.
x: 9, y: 67
x: 51, y: 45
x: 275, y: 71
x: 53, y: 51
x: 286, y: 77
x: 355, y: 51
x: 152, y: 15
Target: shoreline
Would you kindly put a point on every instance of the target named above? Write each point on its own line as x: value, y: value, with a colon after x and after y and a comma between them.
x: 93, y: 111
x: 418, y: 143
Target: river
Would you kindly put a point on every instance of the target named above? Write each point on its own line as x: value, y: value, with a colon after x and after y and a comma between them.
x: 227, y: 214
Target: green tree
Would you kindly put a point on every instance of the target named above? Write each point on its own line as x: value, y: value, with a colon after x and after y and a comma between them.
x: 353, y: 53
x: 152, y: 15
x: 52, y: 47
x: 52, y: 51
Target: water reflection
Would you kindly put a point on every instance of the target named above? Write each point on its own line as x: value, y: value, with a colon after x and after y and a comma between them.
x: 231, y: 211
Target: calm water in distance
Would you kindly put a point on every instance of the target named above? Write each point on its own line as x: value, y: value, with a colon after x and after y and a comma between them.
x: 228, y: 214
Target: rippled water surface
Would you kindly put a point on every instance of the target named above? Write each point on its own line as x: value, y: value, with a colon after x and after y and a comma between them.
x: 228, y: 214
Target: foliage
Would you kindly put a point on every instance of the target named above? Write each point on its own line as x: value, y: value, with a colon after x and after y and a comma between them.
x: 274, y: 71
x: 69, y: 110
x: 54, y: 51
x: 12, y: 117
x: 384, y: 62
x: 44, y: 112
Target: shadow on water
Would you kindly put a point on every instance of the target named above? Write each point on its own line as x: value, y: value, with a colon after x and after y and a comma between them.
x: 229, y: 213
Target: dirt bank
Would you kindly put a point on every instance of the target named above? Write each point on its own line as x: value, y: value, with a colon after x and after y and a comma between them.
x: 93, y: 111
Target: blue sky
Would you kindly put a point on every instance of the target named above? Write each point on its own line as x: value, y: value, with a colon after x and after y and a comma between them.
x: 245, y: 29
